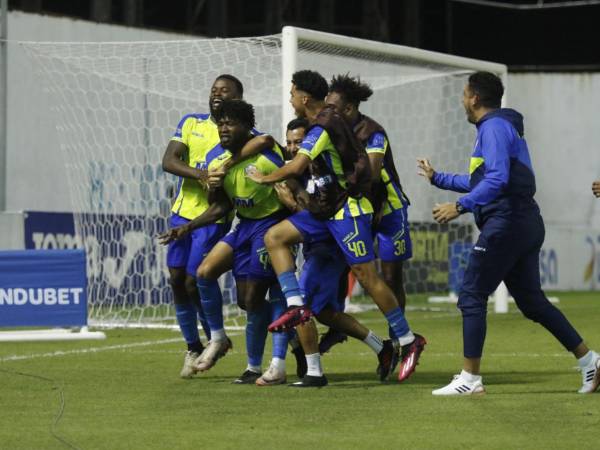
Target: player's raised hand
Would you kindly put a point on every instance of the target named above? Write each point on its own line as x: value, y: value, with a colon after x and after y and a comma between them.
x: 215, y: 178
x: 254, y: 174
x: 173, y: 234
x: 445, y: 212
x: 425, y: 168
x: 596, y: 188
x: 285, y: 195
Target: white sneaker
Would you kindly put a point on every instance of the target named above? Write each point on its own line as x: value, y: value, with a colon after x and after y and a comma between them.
x: 272, y: 377
x: 211, y: 354
x: 460, y: 386
x: 591, y: 376
x: 188, y: 370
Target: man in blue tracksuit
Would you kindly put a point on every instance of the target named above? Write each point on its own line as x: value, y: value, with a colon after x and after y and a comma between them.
x: 499, y: 192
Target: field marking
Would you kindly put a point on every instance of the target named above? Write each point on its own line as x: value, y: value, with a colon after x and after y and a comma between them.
x: 81, y: 351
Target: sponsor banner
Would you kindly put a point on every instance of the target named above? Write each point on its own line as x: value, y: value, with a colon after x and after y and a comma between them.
x: 570, y: 259
x: 42, y: 288
x: 431, y: 269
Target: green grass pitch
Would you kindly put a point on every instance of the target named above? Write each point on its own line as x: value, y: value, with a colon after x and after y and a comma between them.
x: 124, y: 393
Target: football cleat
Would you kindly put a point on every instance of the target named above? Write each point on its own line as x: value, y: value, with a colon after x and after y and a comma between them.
x: 460, y: 386
x: 591, y: 376
x: 214, y: 351
x: 292, y: 317
x: 409, y: 357
x: 248, y: 377
x: 188, y: 370
x: 310, y: 381
x: 388, y: 360
x: 331, y: 338
x: 272, y: 377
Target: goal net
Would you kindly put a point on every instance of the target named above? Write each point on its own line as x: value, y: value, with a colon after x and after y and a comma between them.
x: 116, y: 105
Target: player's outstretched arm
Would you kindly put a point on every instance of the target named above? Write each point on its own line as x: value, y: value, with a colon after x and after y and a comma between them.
x: 174, y: 162
x: 448, y: 181
x: 596, y: 188
x: 294, y: 168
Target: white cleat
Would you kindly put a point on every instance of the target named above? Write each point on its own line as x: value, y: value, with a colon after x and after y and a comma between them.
x: 460, y: 386
x: 272, y: 377
x: 591, y: 376
x: 188, y: 370
x: 211, y: 354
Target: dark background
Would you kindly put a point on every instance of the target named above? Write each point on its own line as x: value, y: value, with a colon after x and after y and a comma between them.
x: 560, y: 36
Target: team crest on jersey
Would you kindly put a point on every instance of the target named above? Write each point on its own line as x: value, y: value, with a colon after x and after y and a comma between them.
x: 250, y: 169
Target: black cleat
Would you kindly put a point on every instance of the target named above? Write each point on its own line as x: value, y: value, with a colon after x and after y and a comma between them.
x: 310, y: 381
x: 301, y: 366
x: 331, y: 338
x: 248, y: 377
x: 388, y: 360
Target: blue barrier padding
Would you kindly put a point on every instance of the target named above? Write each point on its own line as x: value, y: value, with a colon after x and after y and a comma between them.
x: 43, y: 288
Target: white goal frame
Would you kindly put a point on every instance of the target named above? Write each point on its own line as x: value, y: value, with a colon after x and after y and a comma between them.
x: 291, y: 36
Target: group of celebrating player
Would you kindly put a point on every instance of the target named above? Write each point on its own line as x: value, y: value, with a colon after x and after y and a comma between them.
x: 338, y: 192
x: 335, y: 190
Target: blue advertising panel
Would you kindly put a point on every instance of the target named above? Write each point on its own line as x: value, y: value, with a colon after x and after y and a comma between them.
x: 43, y: 288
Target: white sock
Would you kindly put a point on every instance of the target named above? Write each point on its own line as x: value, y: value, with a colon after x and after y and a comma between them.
x: 278, y: 363
x: 295, y: 300
x: 218, y: 335
x: 469, y: 377
x: 255, y: 369
x: 586, y: 359
x: 406, y: 339
x: 374, y: 342
x: 314, y: 365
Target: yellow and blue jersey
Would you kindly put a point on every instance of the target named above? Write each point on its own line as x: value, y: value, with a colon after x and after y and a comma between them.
x: 250, y: 199
x: 378, y: 143
x: 318, y: 144
x: 199, y: 134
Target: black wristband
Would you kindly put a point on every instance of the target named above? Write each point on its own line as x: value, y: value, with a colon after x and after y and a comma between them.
x: 460, y: 208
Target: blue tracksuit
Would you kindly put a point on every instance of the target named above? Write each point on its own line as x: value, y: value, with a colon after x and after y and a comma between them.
x: 499, y: 192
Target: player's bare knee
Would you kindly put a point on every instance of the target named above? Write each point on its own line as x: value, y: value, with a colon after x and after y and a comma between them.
x: 273, y: 238
x: 206, y: 271
x: 190, y: 285
x: 365, y: 274
x: 177, y: 277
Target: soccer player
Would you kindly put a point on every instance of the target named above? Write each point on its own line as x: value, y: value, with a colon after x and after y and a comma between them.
x: 323, y: 262
x: 296, y: 130
x: 185, y: 156
x: 499, y: 192
x: 596, y: 188
x: 342, y: 212
x: 258, y: 208
x: 390, y: 202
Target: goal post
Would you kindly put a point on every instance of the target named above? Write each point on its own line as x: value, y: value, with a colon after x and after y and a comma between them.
x: 116, y: 104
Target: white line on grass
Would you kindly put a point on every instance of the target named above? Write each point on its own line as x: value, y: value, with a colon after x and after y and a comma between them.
x: 92, y: 349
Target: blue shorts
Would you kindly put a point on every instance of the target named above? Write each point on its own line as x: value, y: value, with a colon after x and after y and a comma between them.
x: 250, y: 256
x: 352, y: 234
x: 190, y: 251
x: 393, y: 236
x: 320, y: 278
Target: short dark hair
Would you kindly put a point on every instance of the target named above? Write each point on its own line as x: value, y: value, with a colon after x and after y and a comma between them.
x: 238, y: 84
x: 488, y: 87
x: 350, y: 88
x: 311, y: 82
x: 300, y: 122
x: 237, y: 110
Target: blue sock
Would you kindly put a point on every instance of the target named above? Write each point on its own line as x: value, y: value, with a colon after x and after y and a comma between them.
x: 289, y: 284
x: 280, y: 339
x: 397, y: 322
x: 203, y: 321
x: 256, y: 335
x: 212, y: 302
x: 186, y: 318
x: 391, y: 333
